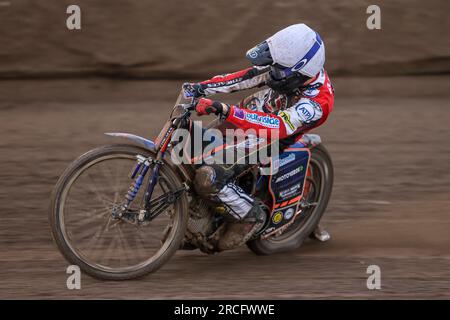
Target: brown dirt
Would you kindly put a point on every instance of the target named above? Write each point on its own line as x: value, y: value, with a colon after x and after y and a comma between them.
x: 390, y: 205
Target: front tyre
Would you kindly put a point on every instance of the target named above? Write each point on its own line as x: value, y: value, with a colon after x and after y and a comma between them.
x: 320, y: 180
x: 87, y: 234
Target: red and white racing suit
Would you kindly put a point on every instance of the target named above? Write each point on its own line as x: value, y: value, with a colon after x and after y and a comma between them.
x: 289, y: 117
x: 266, y: 109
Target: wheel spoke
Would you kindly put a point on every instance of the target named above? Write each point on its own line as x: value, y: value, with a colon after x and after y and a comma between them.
x: 93, y: 187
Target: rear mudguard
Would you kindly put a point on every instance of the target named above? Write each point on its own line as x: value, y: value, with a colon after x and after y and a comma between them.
x: 286, y: 185
x: 310, y: 140
x: 186, y: 172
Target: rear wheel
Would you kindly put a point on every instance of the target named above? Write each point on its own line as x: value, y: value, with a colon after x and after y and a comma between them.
x: 85, y: 230
x: 318, y: 189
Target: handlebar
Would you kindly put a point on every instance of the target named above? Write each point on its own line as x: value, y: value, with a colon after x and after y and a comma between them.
x: 190, y: 106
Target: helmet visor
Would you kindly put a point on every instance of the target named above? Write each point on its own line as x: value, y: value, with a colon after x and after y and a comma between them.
x: 260, y: 55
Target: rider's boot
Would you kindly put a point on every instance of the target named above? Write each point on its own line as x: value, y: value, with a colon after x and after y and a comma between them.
x: 320, y: 234
x: 239, y: 232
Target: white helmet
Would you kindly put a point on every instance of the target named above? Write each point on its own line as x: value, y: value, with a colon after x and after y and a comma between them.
x: 296, y: 49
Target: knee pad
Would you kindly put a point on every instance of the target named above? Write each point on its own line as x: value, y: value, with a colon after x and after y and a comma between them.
x: 211, y: 179
x: 205, y: 181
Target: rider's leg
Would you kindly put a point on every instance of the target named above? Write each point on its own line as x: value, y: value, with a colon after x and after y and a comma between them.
x: 212, y: 181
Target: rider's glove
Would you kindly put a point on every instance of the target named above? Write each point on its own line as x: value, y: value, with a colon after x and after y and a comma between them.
x: 207, y: 106
x: 193, y: 90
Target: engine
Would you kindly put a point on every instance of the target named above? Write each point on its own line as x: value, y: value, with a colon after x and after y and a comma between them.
x: 203, y: 226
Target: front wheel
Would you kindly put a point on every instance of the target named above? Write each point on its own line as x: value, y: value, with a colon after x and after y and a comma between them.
x: 317, y: 191
x: 90, y: 236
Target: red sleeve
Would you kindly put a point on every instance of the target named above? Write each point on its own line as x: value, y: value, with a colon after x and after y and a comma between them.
x: 240, y: 80
x: 227, y: 78
x: 265, y: 124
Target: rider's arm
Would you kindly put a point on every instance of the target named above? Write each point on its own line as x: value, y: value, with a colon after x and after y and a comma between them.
x: 303, y: 115
x: 240, y: 80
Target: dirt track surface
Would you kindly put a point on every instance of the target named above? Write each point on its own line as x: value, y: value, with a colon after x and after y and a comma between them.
x: 390, y: 205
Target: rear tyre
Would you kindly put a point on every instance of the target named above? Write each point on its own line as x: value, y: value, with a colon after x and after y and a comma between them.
x: 321, y: 186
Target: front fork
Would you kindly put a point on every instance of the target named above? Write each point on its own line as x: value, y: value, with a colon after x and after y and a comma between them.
x: 152, y: 207
x: 140, y: 170
x: 152, y: 183
x: 138, y: 175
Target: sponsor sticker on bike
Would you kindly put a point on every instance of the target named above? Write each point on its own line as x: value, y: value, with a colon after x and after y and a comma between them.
x: 289, y: 174
x: 289, y: 192
x: 277, y: 217
x: 284, y: 161
x: 289, y: 213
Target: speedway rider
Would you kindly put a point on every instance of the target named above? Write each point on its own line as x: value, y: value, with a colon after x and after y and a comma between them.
x: 299, y: 98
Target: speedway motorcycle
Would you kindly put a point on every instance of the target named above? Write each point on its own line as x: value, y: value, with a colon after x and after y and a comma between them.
x: 121, y: 211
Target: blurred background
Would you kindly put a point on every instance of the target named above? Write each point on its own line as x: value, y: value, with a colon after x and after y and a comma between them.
x: 61, y: 89
x: 179, y: 39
